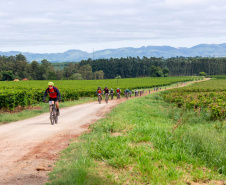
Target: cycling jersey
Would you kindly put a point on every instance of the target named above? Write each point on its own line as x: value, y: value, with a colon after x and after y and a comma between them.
x: 106, y: 90
x: 99, y: 91
x: 112, y: 91
x: 53, y: 93
x: 118, y: 90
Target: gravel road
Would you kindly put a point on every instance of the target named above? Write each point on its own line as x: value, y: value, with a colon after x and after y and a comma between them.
x: 29, y: 148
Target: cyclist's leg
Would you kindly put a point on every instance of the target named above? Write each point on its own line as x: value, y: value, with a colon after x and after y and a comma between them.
x: 50, y: 105
x: 57, y: 106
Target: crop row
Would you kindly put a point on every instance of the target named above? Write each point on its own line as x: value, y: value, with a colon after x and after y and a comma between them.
x: 189, y: 99
x: 91, y: 85
x: 24, y: 93
x: 213, y: 85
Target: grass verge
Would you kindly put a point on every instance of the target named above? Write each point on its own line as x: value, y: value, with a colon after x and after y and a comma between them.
x: 38, y: 109
x: 145, y: 141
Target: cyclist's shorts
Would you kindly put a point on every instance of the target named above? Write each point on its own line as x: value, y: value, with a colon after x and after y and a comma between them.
x: 53, y: 99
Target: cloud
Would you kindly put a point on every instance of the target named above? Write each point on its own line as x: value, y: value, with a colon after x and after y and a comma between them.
x: 30, y: 23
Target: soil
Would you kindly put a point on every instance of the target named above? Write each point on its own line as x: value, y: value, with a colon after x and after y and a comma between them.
x: 20, y: 109
x: 29, y: 148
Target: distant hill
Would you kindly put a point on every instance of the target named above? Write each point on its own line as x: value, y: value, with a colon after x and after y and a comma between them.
x: 204, y: 50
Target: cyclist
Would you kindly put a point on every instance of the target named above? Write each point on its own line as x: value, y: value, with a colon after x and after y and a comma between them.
x: 99, y: 92
x: 112, y: 93
x: 54, y: 95
x: 106, y: 91
x: 127, y: 91
x: 136, y: 92
x: 118, y: 90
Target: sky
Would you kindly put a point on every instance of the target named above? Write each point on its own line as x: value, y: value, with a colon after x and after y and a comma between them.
x: 51, y: 26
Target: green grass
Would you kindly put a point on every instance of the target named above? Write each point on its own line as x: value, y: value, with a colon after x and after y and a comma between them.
x: 38, y: 109
x: 145, y: 140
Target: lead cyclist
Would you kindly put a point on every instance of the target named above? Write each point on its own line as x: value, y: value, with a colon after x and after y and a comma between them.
x: 54, y: 95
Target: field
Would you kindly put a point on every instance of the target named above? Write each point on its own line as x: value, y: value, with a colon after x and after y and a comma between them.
x: 147, y: 141
x: 208, y: 96
x: 169, y: 137
x: 25, y: 93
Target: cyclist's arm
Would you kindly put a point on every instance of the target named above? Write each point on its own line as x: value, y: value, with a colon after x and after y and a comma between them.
x: 58, y: 94
x: 45, y: 94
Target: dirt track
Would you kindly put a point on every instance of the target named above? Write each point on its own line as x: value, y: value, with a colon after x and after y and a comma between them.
x: 29, y: 148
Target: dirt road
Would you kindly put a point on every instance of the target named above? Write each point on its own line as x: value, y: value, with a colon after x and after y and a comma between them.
x: 29, y: 148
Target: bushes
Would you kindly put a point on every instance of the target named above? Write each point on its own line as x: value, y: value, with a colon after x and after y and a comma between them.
x: 208, y: 97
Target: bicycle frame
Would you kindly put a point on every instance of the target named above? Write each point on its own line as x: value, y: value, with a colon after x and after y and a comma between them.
x: 118, y: 95
x: 112, y: 95
x: 53, y: 112
x: 106, y: 97
x: 99, y: 98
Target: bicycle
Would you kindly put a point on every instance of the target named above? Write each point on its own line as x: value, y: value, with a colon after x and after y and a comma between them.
x: 53, y: 113
x: 118, y: 95
x: 106, y: 97
x: 127, y: 95
x: 136, y: 93
x: 99, y: 98
x: 112, y: 94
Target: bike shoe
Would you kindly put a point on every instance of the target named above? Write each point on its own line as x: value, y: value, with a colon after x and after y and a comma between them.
x: 58, y: 113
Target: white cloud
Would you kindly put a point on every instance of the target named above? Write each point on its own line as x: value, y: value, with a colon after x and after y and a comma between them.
x: 82, y: 23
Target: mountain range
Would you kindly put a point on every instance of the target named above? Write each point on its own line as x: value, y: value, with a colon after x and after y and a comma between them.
x: 203, y: 50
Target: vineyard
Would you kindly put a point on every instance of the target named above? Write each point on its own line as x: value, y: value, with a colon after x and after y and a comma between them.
x: 24, y: 93
x: 209, y: 96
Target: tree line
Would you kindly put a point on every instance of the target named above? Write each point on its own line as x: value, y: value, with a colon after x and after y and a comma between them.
x: 18, y: 67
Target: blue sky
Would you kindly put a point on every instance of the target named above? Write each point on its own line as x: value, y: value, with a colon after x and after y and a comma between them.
x: 50, y: 26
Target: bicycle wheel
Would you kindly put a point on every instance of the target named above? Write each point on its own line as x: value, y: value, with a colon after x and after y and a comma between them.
x: 99, y: 99
x: 56, y: 117
x: 52, y: 118
x: 106, y: 98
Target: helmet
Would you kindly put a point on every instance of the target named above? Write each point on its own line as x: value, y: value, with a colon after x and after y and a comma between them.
x: 117, y: 88
x: 105, y: 87
x: 51, y: 83
x: 111, y: 89
x: 98, y: 87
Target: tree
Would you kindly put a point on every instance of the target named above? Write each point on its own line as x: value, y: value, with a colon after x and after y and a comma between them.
x: 153, y: 71
x: 76, y: 76
x: 118, y: 77
x: 159, y: 73
x: 98, y: 75
x: 7, y: 75
x: 34, y: 69
x: 86, y: 72
x: 202, y: 74
x: 165, y: 72
x: 20, y: 57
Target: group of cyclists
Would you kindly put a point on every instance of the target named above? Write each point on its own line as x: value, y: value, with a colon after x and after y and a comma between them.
x: 54, y: 94
x: 99, y: 91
